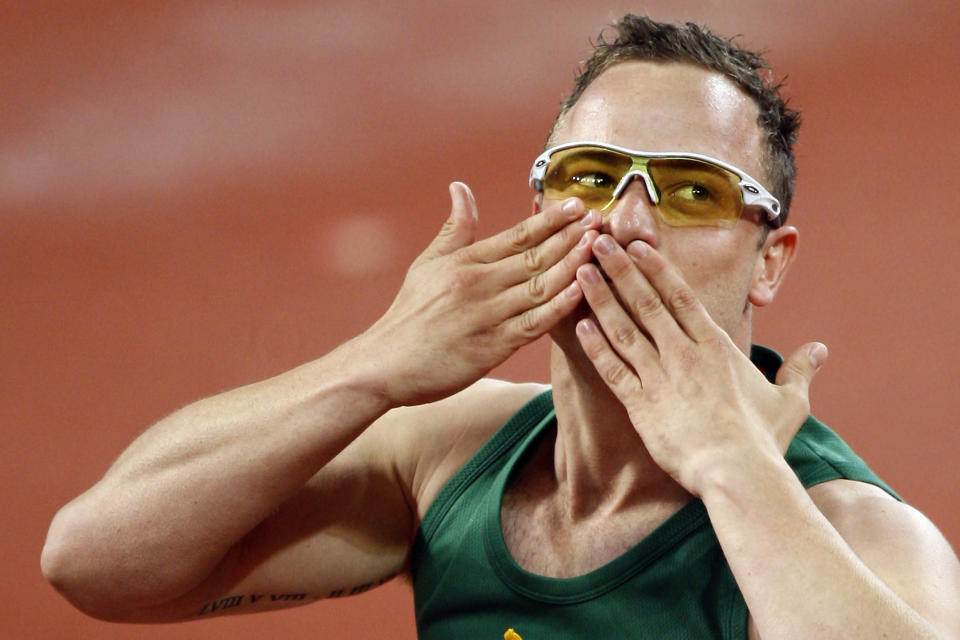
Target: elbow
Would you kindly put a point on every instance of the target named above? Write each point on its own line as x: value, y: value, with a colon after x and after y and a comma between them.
x: 63, y: 564
x: 108, y: 575
x: 53, y: 561
x: 70, y: 563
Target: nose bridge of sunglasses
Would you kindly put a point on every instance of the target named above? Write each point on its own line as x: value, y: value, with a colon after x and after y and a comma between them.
x: 637, y: 170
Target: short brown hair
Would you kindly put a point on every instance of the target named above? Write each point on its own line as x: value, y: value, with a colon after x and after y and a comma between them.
x: 640, y: 38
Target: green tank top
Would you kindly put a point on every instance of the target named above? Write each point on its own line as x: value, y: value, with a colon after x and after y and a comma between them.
x: 674, y: 584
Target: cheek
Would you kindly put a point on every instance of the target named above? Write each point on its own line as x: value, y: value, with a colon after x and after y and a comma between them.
x: 721, y: 278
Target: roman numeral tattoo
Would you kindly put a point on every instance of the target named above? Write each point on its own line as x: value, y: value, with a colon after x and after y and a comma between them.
x: 232, y: 601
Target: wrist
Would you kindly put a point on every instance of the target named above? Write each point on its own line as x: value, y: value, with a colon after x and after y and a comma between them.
x: 360, y: 370
x: 736, y: 478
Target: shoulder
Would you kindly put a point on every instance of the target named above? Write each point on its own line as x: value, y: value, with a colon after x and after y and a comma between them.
x: 872, y: 521
x: 898, y: 543
x: 862, y: 510
x: 427, y: 444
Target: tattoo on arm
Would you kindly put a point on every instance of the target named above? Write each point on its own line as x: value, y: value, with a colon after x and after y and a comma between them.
x: 339, y: 593
x: 253, y: 598
x: 229, y: 602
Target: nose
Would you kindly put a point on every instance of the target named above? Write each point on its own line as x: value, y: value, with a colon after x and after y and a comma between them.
x: 632, y: 216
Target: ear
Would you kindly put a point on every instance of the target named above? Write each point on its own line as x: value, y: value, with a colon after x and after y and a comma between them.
x: 535, y: 208
x: 778, y: 252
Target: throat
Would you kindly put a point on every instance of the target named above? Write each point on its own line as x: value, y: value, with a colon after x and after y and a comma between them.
x: 543, y: 540
x: 556, y: 529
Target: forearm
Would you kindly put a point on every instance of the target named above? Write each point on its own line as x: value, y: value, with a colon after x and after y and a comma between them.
x: 193, y: 485
x: 799, y: 577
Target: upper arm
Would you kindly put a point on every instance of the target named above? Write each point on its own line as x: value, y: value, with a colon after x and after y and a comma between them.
x: 345, y: 531
x: 900, y: 545
x: 351, y: 526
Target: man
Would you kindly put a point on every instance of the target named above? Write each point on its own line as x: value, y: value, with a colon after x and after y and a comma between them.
x: 648, y: 496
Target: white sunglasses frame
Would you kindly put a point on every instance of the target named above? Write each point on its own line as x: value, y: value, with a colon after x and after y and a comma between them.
x: 753, y: 193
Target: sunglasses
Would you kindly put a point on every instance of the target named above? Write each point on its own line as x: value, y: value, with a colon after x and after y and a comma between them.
x: 688, y: 189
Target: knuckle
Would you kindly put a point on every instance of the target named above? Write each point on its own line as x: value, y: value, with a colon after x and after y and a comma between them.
x: 448, y: 227
x: 464, y: 279
x: 470, y: 255
x: 615, y: 374
x: 683, y: 299
x: 624, y: 336
x: 688, y: 357
x: 463, y: 257
x: 533, y: 259
x: 719, y: 343
x: 537, y: 287
x: 529, y: 323
x: 519, y: 237
x: 648, y: 305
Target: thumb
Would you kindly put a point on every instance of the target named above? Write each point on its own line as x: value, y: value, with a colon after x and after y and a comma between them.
x: 460, y: 229
x: 798, y: 369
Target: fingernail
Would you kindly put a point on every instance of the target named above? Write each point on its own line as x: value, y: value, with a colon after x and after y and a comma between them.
x: 588, y: 219
x: 638, y: 248
x: 818, y: 355
x: 584, y: 240
x: 589, y: 273
x: 603, y: 245
x: 572, y: 291
x: 569, y: 206
x: 585, y: 328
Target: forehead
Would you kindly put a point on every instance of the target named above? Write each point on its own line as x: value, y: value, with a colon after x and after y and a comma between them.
x: 653, y: 106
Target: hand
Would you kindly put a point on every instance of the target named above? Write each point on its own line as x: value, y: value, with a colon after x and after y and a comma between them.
x: 696, y: 400
x: 465, y: 306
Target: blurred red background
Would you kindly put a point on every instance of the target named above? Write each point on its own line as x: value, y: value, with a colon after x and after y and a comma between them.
x: 195, y: 195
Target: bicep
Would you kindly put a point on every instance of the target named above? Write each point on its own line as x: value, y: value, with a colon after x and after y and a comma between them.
x: 347, y: 530
x: 351, y: 526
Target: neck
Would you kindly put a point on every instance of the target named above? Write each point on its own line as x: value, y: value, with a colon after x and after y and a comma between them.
x: 601, y: 464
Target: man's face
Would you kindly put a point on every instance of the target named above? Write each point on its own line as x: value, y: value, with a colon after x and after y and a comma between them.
x: 677, y: 107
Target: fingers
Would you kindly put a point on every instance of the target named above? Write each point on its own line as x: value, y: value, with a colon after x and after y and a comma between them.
x: 638, y: 321
x: 532, y: 322
x: 460, y: 229
x: 798, y: 369
x: 653, y: 291
x: 517, y: 241
x: 622, y: 332
x: 532, y: 282
x: 637, y: 295
x: 648, y: 313
x: 542, y: 257
x: 539, y: 286
x: 623, y: 381
x: 677, y: 297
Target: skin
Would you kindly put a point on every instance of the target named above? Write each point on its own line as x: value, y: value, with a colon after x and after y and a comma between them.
x: 725, y: 270
x: 656, y: 403
x: 667, y: 336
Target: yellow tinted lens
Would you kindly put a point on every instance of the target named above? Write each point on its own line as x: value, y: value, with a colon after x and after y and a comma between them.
x: 695, y: 193
x: 588, y: 173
